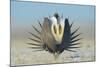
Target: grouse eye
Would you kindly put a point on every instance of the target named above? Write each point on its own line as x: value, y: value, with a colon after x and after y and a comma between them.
x: 60, y: 29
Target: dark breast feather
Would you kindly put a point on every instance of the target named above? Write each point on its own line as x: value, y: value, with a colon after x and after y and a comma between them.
x: 69, y: 39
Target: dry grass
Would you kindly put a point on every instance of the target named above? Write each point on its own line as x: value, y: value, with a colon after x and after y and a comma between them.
x: 22, y: 55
